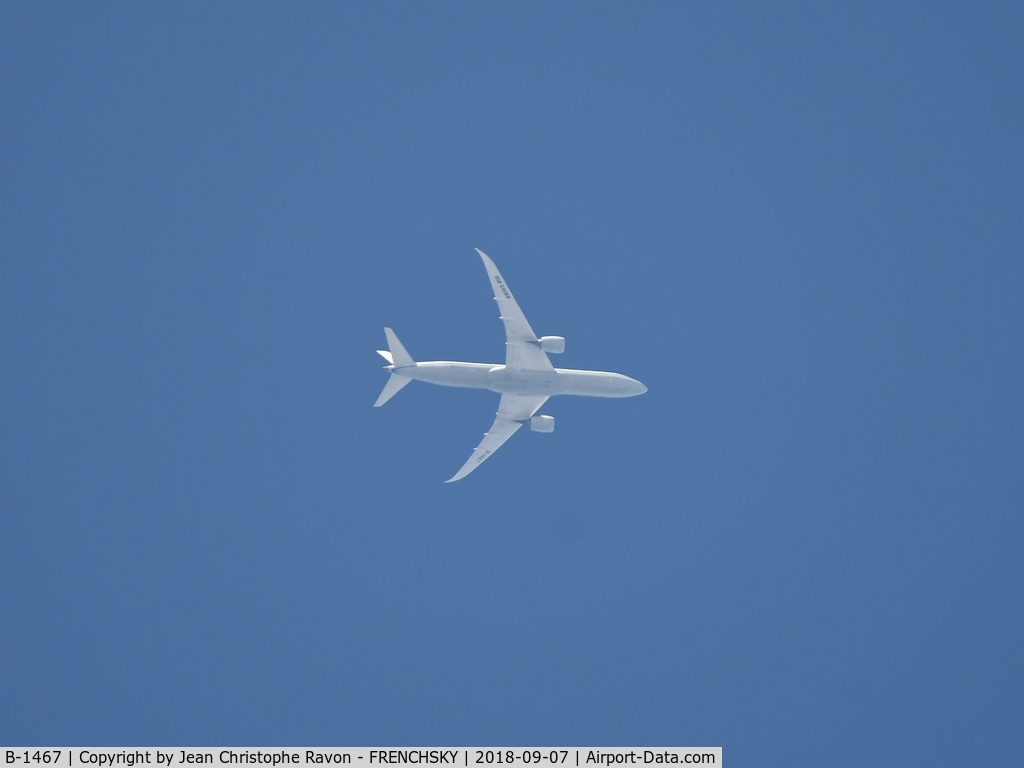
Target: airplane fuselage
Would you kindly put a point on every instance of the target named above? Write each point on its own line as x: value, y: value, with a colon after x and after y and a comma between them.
x: 495, y: 377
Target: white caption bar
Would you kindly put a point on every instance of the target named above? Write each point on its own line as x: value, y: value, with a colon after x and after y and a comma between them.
x: 173, y: 757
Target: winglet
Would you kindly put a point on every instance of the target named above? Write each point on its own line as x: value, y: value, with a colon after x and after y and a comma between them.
x: 471, y: 463
x: 488, y: 264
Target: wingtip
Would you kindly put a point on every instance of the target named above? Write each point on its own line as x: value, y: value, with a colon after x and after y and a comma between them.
x: 461, y: 473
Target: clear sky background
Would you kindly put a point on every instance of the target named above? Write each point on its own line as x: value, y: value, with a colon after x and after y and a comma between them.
x: 801, y: 227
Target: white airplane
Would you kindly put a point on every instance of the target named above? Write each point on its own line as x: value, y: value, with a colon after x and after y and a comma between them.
x: 526, y: 380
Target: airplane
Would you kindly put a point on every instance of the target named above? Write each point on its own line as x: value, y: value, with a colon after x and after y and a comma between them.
x: 525, y: 381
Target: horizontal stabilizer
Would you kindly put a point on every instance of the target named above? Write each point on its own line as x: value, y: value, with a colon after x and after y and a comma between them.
x: 399, y: 356
x: 394, y: 384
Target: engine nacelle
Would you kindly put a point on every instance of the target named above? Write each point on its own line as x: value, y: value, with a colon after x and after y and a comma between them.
x: 553, y: 344
x: 542, y: 423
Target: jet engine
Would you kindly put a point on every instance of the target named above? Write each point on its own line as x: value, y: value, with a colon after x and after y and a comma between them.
x: 553, y: 344
x: 542, y: 423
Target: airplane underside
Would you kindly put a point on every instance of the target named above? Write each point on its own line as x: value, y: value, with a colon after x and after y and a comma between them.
x: 497, y: 378
x: 525, y: 381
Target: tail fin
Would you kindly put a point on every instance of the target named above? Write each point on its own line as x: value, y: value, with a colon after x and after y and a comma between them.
x: 399, y: 356
x: 394, y: 384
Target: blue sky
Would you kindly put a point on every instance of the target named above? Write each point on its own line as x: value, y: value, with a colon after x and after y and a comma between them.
x: 800, y: 226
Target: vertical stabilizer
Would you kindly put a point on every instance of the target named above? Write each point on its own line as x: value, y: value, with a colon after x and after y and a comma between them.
x: 398, y: 354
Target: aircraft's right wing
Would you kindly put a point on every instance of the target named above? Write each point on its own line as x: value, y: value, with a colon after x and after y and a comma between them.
x: 522, y: 352
x: 513, y: 412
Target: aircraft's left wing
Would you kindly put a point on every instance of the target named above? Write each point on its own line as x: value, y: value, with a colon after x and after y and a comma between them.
x: 513, y: 412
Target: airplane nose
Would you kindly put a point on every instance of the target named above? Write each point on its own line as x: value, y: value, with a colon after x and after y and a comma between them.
x: 638, y: 387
